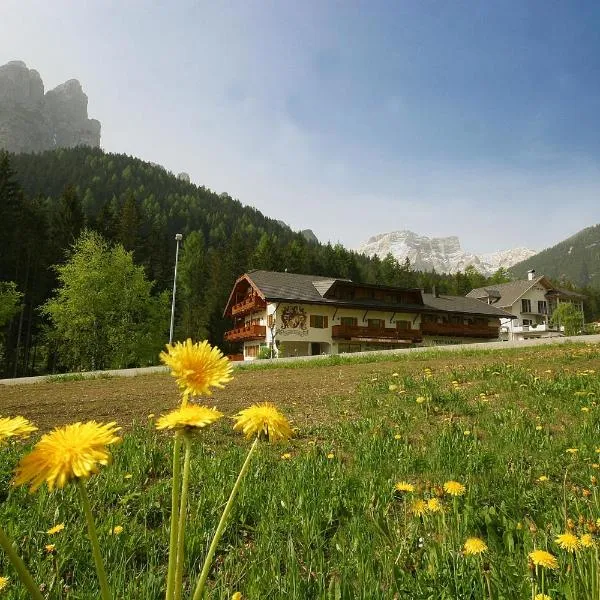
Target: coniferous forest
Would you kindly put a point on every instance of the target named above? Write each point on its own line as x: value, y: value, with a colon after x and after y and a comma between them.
x: 63, y: 200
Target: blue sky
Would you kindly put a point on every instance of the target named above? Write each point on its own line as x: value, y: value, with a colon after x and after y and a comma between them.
x: 477, y: 119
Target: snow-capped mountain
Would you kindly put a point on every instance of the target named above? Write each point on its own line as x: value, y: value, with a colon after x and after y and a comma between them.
x: 445, y: 255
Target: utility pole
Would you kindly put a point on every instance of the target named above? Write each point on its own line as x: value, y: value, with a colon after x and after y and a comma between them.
x: 178, y: 238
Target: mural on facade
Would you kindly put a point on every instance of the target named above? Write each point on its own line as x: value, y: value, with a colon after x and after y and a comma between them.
x: 293, y: 321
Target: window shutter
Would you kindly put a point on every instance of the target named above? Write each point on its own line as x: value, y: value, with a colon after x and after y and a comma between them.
x: 312, y: 320
x: 325, y: 322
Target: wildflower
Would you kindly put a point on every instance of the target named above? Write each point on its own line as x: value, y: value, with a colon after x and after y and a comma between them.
x: 330, y: 455
x: 397, y: 437
x: 542, y: 597
x: 420, y: 399
x: 4, y: 582
x: 568, y: 542
x: 286, y: 456
x: 263, y: 419
x: 474, y: 545
x: 586, y: 540
x: 541, y: 558
x: 236, y: 596
x: 572, y: 450
x: 127, y: 476
x: 66, y: 453
x: 585, y: 409
x: 543, y: 478
x: 466, y: 432
x: 404, y: 486
x: 50, y: 548
x: 393, y: 387
x: 151, y: 416
x: 418, y: 508
x: 454, y: 488
x: 15, y: 427
x: 188, y: 417
x: 434, y: 505
x: 197, y: 367
x: 117, y: 530
x: 538, y: 427
x: 56, y: 529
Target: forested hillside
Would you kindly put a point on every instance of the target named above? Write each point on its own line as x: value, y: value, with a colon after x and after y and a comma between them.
x: 48, y: 200
x: 575, y: 259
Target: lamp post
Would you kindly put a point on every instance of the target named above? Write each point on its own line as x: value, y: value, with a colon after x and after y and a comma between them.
x: 178, y: 238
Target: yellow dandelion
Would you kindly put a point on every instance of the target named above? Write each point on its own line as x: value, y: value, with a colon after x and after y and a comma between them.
x: 397, y: 437
x: 542, y: 597
x: 197, y: 367
x: 392, y: 387
x: 541, y: 558
x: 237, y: 596
x: 263, y: 419
x: 572, y: 450
x: 586, y: 540
x: 404, y: 486
x: 56, y: 529
x: 286, y: 456
x: 66, y: 453
x: 50, y: 548
x: 15, y: 427
x: 538, y: 427
x: 4, y: 581
x: 434, y: 505
x: 127, y: 476
x: 188, y: 417
x: 466, y: 432
x: 330, y: 455
x: 117, y: 530
x: 454, y: 488
x: 585, y: 409
x: 420, y: 399
x: 543, y: 478
x: 568, y: 541
x: 474, y: 545
x: 418, y: 508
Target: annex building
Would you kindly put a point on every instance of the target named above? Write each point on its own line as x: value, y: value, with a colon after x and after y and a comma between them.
x: 303, y: 315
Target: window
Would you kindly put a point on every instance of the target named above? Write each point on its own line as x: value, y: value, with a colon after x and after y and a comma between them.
x: 349, y: 321
x: 527, y: 322
x: 525, y: 305
x: 319, y: 321
x: 270, y: 321
x: 376, y: 323
x: 542, y: 307
x: 252, y: 351
x: 404, y: 325
x: 344, y: 348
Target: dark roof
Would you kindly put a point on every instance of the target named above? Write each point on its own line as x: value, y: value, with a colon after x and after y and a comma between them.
x: 462, y: 304
x: 291, y: 286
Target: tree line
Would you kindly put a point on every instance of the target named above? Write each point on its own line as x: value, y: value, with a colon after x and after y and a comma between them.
x: 70, y: 215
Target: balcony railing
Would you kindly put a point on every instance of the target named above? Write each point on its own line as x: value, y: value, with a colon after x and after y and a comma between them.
x: 460, y: 330
x: 247, y: 305
x: 246, y: 333
x: 380, y: 334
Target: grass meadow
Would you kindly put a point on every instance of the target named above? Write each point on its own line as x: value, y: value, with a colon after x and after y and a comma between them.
x: 318, y: 517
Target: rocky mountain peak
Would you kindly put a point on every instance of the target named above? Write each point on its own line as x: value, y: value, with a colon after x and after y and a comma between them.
x: 31, y: 121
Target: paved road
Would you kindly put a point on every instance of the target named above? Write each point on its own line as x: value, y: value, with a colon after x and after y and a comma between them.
x: 582, y: 339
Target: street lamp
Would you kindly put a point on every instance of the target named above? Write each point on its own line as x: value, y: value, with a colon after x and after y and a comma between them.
x: 178, y: 238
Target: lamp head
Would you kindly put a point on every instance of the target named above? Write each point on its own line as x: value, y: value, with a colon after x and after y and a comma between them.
x: 178, y: 237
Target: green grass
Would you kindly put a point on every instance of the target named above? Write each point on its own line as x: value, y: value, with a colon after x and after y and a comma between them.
x: 316, y: 526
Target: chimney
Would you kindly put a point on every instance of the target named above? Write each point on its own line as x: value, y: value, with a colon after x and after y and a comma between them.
x: 531, y: 274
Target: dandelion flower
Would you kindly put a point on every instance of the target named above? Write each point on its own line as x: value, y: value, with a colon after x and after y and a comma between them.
x: 538, y: 427
x: 420, y: 399
x: 454, y: 488
x: 330, y: 455
x: 542, y: 597
x: 15, y: 427
x: 197, y: 367
x: 392, y: 387
x: 117, y: 530
x: 418, y: 508
x: 66, y: 453
x: 568, y: 542
x: 541, y: 558
x: 4, y: 581
x: 586, y: 540
x: 237, y: 596
x: 404, y: 486
x: 286, y: 456
x: 56, y: 529
x: 50, y: 548
x: 434, y: 505
x: 397, y: 437
x: 127, y: 476
x: 466, y: 432
x: 543, y: 478
x: 263, y: 419
x: 188, y: 417
x: 572, y: 450
x: 474, y: 545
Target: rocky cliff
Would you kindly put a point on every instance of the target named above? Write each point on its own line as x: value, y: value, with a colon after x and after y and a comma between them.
x: 31, y: 121
x: 444, y: 255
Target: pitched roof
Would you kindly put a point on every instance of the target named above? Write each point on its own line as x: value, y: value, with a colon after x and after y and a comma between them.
x: 462, y: 304
x: 508, y: 293
x: 291, y: 286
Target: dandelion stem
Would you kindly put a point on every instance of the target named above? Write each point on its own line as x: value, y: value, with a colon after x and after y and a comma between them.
x: 87, y: 511
x: 20, y: 568
x: 182, y: 514
x: 221, y: 526
x: 175, y: 491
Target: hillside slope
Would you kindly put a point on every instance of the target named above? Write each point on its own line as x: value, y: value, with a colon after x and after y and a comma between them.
x: 576, y: 259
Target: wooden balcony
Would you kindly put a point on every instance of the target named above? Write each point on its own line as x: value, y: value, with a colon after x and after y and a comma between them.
x: 246, y: 333
x: 376, y: 334
x: 460, y: 330
x: 248, y: 305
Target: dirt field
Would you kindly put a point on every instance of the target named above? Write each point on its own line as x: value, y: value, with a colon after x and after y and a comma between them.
x: 309, y: 395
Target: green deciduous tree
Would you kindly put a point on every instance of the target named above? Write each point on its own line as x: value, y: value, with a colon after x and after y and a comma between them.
x: 567, y: 315
x: 103, y: 314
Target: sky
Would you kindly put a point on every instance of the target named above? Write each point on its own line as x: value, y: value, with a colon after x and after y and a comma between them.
x: 478, y: 119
